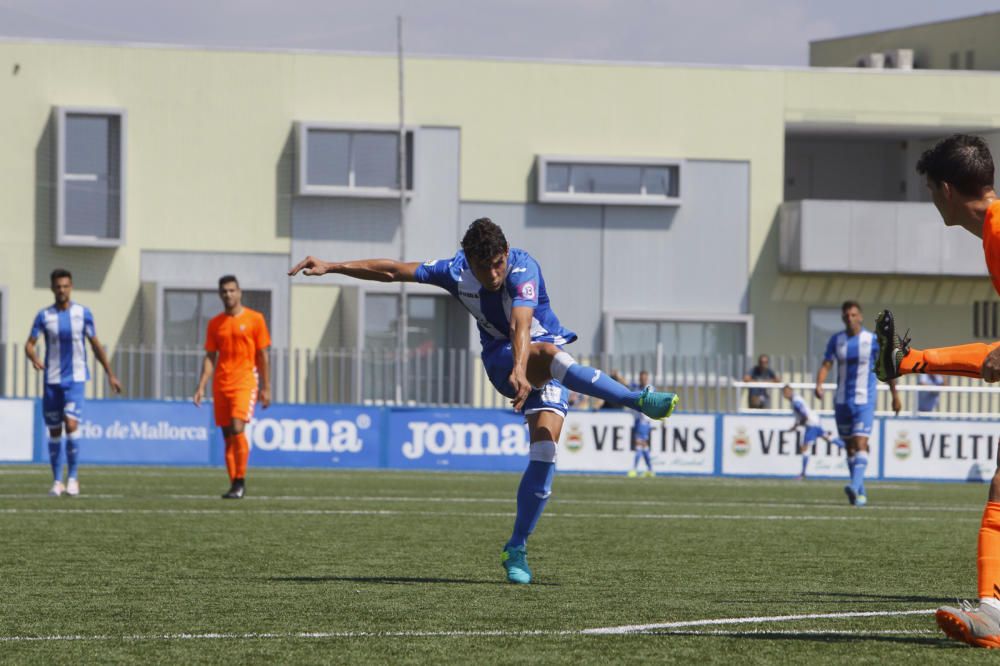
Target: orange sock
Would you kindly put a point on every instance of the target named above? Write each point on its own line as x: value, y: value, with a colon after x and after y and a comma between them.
x: 988, y: 560
x: 231, y: 457
x: 962, y: 360
x: 242, y: 455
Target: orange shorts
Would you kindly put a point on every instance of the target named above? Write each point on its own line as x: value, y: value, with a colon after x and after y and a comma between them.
x: 234, y: 404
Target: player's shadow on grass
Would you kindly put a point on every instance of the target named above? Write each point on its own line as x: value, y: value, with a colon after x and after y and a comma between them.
x: 882, y: 598
x: 391, y: 580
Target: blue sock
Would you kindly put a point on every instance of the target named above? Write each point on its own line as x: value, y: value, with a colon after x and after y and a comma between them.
x: 850, y: 466
x: 636, y: 458
x: 592, y: 382
x: 533, y: 494
x: 55, y: 448
x: 858, y: 473
x: 72, y: 451
x: 649, y: 461
x: 805, y: 461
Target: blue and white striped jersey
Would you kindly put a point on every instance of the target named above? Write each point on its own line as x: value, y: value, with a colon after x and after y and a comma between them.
x: 65, y: 336
x: 803, y: 414
x: 855, y: 357
x: 524, y: 286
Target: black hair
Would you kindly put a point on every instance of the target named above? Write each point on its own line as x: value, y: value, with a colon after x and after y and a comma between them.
x: 484, y: 241
x: 60, y: 273
x: 226, y: 279
x: 847, y: 305
x: 961, y: 160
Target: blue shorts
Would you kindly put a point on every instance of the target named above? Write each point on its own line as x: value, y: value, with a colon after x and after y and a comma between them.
x: 642, y: 431
x: 62, y: 401
x: 499, y: 362
x: 812, y: 434
x: 854, y: 420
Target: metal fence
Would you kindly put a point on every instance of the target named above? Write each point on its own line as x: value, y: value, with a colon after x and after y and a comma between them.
x: 454, y: 377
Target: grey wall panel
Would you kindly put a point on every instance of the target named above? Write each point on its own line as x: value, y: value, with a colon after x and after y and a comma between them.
x: 692, y: 259
x: 871, y: 237
x: 340, y: 228
x: 566, y: 241
x: 875, y: 237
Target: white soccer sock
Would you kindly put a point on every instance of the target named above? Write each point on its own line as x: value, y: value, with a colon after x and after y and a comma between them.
x: 561, y: 362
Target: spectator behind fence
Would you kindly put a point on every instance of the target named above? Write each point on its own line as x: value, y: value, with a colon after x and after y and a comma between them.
x: 927, y: 401
x: 760, y: 398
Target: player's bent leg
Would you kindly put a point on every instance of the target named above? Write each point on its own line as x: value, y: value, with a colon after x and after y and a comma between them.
x: 591, y: 381
x: 897, y: 358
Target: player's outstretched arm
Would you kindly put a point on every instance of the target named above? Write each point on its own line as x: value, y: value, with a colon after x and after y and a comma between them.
x: 29, y: 351
x: 102, y: 358
x: 378, y: 270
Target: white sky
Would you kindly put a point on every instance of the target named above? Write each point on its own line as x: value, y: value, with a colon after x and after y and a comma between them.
x: 755, y: 32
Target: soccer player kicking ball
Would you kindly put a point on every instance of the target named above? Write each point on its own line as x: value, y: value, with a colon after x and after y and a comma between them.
x: 804, y: 416
x: 959, y: 172
x: 235, y: 346
x: 65, y: 325
x: 522, y: 341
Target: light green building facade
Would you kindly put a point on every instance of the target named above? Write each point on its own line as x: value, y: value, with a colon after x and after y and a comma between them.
x: 211, y: 172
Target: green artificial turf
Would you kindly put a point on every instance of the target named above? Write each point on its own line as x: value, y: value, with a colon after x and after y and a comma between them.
x: 149, y: 565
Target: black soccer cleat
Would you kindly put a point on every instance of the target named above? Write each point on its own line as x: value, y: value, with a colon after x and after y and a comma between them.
x: 891, y: 348
x: 237, y: 490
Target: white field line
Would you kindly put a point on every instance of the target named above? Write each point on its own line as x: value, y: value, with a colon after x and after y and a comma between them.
x: 766, y: 619
x: 859, y: 515
x: 628, y: 629
x: 605, y: 502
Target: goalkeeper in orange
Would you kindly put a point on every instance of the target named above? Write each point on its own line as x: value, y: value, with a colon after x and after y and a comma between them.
x: 235, y: 346
x: 959, y: 172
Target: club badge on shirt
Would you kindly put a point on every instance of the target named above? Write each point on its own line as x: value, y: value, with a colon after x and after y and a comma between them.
x: 526, y: 291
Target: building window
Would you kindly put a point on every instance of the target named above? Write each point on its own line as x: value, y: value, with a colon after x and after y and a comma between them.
x: 953, y: 60
x: 437, y: 337
x: 90, y: 192
x: 970, y: 59
x: 824, y: 323
x: 682, y: 336
x: 609, y: 181
x: 338, y: 161
x: 186, y: 313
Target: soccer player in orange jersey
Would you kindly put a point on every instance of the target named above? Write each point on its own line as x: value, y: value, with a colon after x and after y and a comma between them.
x: 235, y: 346
x: 959, y: 172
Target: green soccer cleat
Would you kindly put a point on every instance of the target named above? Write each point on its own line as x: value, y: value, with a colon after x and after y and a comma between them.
x: 891, y: 348
x: 657, y: 404
x: 860, y: 500
x: 515, y: 561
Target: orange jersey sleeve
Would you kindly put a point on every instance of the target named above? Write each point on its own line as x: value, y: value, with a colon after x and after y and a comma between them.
x: 262, y: 338
x: 212, y: 336
x: 991, y: 243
